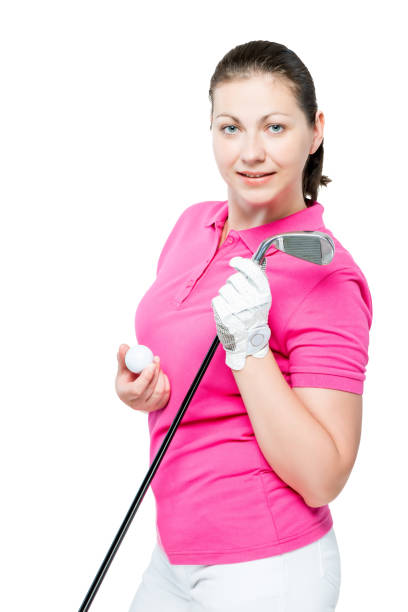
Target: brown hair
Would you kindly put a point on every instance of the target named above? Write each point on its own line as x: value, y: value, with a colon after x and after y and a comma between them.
x: 263, y: 56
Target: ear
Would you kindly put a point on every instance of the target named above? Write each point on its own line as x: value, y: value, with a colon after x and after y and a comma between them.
x: 318, y: 132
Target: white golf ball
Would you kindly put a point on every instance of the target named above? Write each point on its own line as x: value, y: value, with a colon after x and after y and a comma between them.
x: 138, y: 357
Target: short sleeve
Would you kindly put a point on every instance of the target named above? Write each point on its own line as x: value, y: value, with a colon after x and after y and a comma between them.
x: 327, y: 336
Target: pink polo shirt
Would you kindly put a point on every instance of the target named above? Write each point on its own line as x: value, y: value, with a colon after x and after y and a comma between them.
x: 217, y: 498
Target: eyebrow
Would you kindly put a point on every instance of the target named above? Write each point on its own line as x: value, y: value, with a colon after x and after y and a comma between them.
x: 261, y: 119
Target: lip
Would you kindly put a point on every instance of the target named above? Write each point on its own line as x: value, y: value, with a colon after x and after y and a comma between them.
x: 256, y: 181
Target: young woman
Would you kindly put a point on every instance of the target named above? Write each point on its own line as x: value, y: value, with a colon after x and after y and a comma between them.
x: 272, y: 432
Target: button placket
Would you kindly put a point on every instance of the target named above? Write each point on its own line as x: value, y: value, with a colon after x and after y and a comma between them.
x: 187, y: 287
x: 185, y: 291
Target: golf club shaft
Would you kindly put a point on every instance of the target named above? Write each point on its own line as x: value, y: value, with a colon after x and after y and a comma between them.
x: 146, y: 482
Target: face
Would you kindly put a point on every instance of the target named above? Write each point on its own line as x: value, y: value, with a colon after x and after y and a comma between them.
x: 264, y: 131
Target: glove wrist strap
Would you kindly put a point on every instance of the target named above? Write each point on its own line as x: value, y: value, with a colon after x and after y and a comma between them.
x: 258, y: 338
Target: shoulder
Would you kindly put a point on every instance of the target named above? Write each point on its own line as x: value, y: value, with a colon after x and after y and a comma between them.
x: 197, y: 215
x: 186, y: 222
x: 342, y: 266
x: 199, y: 211
x: 204, y: 210
x: 343, y: 258
x: 312, y: 291
x: 346, y: 271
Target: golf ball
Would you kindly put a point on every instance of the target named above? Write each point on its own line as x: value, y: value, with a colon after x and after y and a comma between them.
x: 138, y: 357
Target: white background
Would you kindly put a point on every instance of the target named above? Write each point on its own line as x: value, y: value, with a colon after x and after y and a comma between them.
x: 104, y: 141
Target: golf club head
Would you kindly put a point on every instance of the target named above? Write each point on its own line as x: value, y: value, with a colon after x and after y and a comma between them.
x: 309, y: 245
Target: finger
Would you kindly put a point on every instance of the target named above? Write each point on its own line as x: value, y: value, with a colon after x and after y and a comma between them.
x: 123, y: 348
x: 158, y: 391
x: 252, y: 270
x: 167, y: 383
x: 148, y: 373
x: 137, y: 387
x: 238, y: 292
x: 160, y: 382
x: 221, y: 307
x: 223, y: 312
x: 152, y: 381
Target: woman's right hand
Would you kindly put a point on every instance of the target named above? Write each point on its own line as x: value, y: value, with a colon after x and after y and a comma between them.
x: 147, y: 391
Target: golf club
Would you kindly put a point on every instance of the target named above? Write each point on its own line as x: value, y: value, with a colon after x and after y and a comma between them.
x: 313, y: 246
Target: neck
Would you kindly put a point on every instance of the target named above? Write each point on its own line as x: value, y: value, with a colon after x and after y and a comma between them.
x: 243, y: 214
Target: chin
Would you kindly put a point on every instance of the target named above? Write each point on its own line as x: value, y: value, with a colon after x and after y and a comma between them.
x: 259, y: 200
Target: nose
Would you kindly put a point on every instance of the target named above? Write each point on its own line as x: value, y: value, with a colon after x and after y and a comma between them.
x: 252, y: 150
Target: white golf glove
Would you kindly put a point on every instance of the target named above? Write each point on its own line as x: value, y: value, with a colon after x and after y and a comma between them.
x: 241, y: 312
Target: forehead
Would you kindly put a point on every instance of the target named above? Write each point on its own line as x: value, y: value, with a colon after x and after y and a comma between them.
x: 256, y: 94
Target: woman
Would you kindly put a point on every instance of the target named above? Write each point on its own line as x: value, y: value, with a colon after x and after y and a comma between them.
x: 272, y: 432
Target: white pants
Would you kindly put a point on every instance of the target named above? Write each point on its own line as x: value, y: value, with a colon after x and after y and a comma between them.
x: 303, y: 580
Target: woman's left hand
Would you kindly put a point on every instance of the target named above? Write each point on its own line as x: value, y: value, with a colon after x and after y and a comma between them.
x: 241, y: 312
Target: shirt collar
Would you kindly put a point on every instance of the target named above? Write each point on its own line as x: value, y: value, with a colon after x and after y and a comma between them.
x: 310, y: 218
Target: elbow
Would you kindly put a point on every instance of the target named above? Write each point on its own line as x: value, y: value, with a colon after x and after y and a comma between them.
x: 316, y: 499
x: 325, y: 495
x: 324, y: 498
x: 316, y: 503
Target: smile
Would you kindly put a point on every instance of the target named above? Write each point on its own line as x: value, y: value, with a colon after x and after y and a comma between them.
x: 256, y: 180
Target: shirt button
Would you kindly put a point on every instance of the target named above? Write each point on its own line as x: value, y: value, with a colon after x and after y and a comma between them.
x: 230, y: 239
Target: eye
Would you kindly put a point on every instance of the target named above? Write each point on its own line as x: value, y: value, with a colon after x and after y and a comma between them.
x: 227, y: 126
x: 276, y: 125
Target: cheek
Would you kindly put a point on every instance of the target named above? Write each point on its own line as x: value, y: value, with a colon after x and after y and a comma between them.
x: 288, y: 154
x: 225, y: 153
